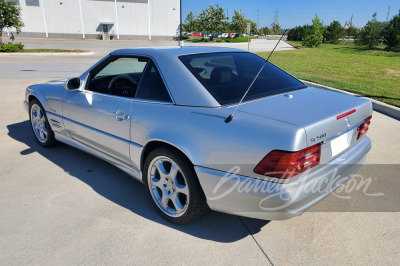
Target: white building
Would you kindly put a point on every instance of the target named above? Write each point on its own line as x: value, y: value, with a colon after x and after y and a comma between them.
x: 123, y: 19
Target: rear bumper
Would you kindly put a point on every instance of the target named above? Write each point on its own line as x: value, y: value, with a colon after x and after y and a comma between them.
x: 267, y: 200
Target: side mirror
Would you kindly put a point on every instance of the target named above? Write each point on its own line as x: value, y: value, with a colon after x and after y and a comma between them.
x: 73, y: 84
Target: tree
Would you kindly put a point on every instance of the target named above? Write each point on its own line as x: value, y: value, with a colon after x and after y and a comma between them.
x: 10, y: 17
x: 391, y: 33
x: 297, y: 33
x: 191, y: 23
x: 352, y: 31
x: 313, y: 35
x: 334, y: 32
x: 239, y: 22
x: 266, y: 31
x: 276, y: 28
x: 212, y: 19
x: 371, y: 33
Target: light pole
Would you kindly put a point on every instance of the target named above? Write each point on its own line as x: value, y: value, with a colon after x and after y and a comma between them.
x: 180, y: 23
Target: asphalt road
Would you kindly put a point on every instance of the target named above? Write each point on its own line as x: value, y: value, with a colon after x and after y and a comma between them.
x: 63, y: 206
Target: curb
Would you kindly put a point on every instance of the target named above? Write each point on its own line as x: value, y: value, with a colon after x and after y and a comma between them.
x: 47, y: 54
x: 383, y: 108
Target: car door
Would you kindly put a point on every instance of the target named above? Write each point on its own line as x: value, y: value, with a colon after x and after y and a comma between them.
x: 98, y: 116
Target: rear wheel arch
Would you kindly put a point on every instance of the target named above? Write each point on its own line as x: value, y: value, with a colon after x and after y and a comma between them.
x: 160, y: 144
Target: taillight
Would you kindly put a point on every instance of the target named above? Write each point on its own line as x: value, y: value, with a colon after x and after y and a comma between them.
x: 363, y: 128
x: 285, y: 164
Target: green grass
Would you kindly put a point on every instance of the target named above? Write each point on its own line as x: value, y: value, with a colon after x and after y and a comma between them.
x: 373, y: 73
x: 51, y: 51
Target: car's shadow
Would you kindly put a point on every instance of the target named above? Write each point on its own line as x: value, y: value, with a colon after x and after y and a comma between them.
x: 120, y: 188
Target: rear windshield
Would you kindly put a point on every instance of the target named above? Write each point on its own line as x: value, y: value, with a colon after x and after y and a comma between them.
x: 227, y: 76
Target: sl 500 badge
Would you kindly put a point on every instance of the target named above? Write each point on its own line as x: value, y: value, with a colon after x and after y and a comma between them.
x: 318, y: 137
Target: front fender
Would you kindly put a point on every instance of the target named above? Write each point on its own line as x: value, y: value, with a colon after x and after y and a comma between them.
x: 50, y: 96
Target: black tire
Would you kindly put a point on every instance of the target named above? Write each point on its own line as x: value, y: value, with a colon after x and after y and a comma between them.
x: 49, y: 139
x: 196, y: 205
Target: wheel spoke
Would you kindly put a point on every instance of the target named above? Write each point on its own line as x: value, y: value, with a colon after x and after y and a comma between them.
x: 173, y: 172
x: 44, y: 130
x: 161, y: 170
x: 164, y: 200
x: 182, y: 189
x: 41, y: 134
x: 157, y: 183
x: 177, y: 203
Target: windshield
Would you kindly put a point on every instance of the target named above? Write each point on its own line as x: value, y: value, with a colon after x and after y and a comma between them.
x: 227, y: 76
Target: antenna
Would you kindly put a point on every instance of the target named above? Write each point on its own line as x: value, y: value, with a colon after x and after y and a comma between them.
x: 230, y: 118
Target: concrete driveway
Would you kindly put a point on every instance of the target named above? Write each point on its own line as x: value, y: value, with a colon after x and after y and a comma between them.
x: 63, y: 206
x: 103, y: 47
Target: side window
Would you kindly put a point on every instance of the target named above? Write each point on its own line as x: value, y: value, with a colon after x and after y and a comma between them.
x: 152, y: 86
x: 120, y: 77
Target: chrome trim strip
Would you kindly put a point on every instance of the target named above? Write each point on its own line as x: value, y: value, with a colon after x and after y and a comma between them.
x: 152, y: 101
x: 107, y: 95
x: 135, y: 144
x: 54, y: 114
x: 343, y: 132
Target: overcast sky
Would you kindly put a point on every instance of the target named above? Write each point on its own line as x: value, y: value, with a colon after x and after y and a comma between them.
x: 292, y: 13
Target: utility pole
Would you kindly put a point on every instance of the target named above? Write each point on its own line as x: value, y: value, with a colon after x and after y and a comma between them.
x: 276, y: 16
x: 350, y: 26
x: 388, y: 13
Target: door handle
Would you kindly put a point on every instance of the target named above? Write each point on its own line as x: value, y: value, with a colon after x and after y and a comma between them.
x: 120, y: 115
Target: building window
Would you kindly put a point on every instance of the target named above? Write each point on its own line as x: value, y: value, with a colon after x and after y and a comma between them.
x: 15, y: 1
x: 32, y: 2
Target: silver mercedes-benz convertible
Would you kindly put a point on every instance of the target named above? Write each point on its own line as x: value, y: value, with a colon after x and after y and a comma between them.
x: 171, y: 118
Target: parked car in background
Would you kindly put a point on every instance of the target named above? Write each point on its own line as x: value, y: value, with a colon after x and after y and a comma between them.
x: 244, y: 35
x: 224, y: 35
x: 218, y: 35
x: 208, y: 35
x: 160, y: 115
x: 196, y: 34
x: 233, y: 35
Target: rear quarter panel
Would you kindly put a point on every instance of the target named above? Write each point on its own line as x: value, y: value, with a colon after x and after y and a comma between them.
x: 203, y: 135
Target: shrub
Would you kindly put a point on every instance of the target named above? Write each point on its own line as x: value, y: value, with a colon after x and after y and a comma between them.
x: 297, y: 33
x: 391, y: 33
x: 11, y: 47
x: 314, y: 35
x: 371, y: 33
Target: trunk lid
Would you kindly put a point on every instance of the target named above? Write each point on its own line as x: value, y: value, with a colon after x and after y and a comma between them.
x: 316, y: 110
